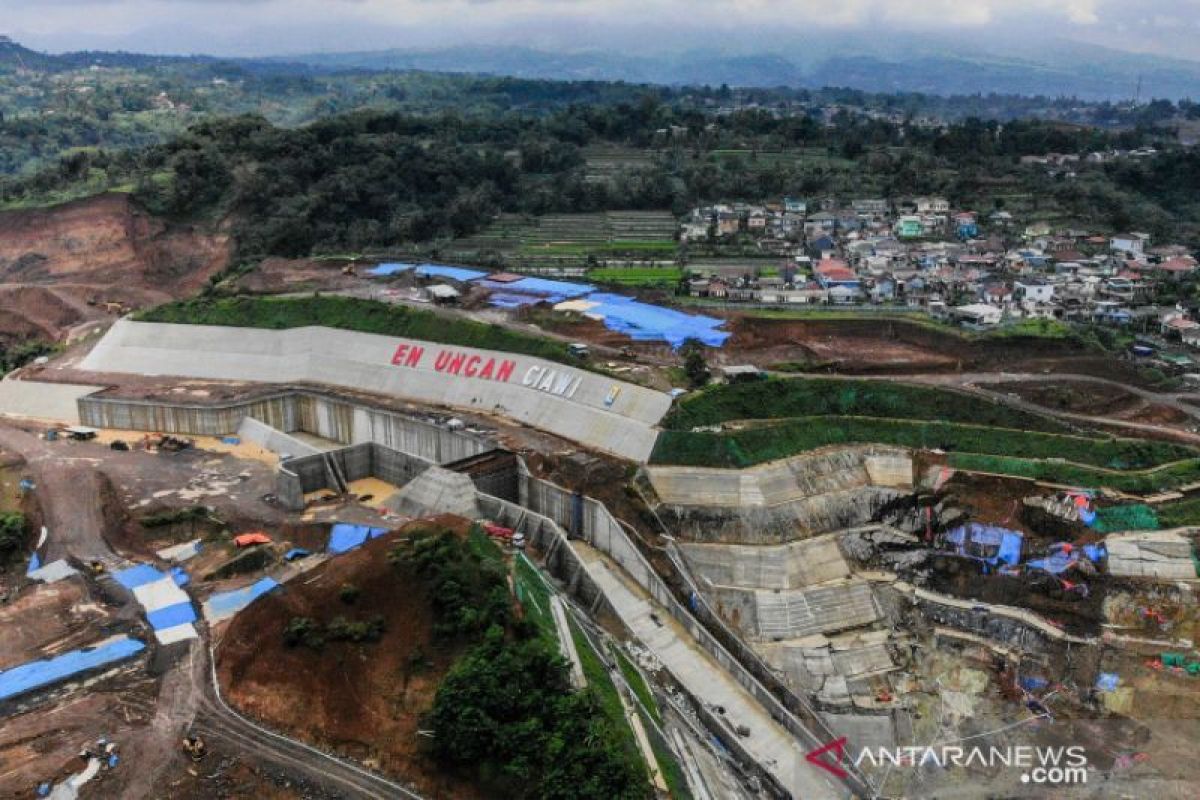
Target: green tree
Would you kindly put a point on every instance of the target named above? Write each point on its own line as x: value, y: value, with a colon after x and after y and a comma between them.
x: 12, y: 536
x: 694, y: 364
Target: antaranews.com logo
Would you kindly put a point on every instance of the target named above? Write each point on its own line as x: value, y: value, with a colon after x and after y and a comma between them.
x: 1057, y: 766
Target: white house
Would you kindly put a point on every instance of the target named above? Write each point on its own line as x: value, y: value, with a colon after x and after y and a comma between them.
x: 1129, y: 243
x: 932, y: 205
x: 977, y: 314
x: 1033, y: 291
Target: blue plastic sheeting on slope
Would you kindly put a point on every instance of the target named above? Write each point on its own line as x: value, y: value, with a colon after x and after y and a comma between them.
x: 1107, y: 682
x: 1010, y: 548
x: 1095, y: 551
x: 37, y: 674
x: 180, y: 576
x: 136, y: 576
x: 345, y: 537
x: 389, y: 269
x: 970, y: 540
x: 508, y: 300
x: 454, y: 273
x: 35, y: 564
x: 645, y: 322
x: 294, y: 553
x: 240, y: 598
x: 1087, y: 517
x: 169, y: 617
x: 542, y: 286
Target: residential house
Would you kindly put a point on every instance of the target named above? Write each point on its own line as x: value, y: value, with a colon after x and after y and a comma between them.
x: 1033, y: 290
x: 965, y: 225
x: 932, y: 205
x: 909, y: 226
x: 831, y: 272
x: 976, y: 315
x: 1135, y: 243
x: 793, y: 206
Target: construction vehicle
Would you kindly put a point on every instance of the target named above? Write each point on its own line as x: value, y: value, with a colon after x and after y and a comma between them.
x: 194, y: 746
x: 166, y: 443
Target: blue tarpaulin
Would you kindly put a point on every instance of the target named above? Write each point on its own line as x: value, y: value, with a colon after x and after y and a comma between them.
x: 1107, y: 682
x: 454, y: 273
x: 232, y: 602
x: 508, y: 300
x: 645, y: 322
x: 543, y: 287
x: 976, y: 541
x: 37, y: 674
x: 390, y: 268
x: 137, y: 576
x: 180, y: 576
x: 169, y: 617
x: 296, y: 552
x: 35, y: 564
x: 1060, y: 556
x: 344, y: 537
x: 1032, y: 684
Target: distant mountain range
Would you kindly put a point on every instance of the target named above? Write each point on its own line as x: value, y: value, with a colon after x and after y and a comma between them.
x: 902, y: 63
x: 1069, y: 69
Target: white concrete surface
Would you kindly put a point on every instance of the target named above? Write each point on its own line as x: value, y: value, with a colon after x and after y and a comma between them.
x: 566, y: 642
x: 49, y: 401
x: 769, y: 743
x: 609, y: 415
x: 825, y: 472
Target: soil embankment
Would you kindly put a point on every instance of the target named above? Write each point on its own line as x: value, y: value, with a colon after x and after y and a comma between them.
x: 91, y: 259
x: 362, y: 700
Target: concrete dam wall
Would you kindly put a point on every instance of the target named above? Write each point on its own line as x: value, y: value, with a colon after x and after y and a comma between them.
x: 609, y: 415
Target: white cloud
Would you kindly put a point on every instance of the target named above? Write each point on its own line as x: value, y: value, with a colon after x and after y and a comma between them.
x: 260, y: 26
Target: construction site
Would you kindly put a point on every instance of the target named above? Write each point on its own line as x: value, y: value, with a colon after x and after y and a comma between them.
x: 885, y: 612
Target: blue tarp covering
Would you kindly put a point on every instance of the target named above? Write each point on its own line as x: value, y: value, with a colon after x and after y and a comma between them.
x: 35, y: 564
x: 240, y: 598
x: 971, y: 541
x: 454, y: 273
x: 1032, y: 684
x: 344, y: 537
x: 1060, y: 557
x: 171, y: 616
x: 644, y: 322
x: 390, y: 269
x: 296, y: 552
x: 543, y: 287
x: 180, y: 576
x: 507, y: 300
x: 136, y: 576
x: 37, y: 674
x: 1107, y: 682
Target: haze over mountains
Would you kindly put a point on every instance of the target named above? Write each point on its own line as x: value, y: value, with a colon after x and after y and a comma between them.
x: 940, y: 64
x: 904, y: 63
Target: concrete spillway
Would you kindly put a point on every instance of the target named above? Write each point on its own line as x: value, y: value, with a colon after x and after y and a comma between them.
x: 612, y: 416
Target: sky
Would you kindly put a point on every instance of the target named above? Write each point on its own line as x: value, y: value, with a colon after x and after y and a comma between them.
x: 281, y: 27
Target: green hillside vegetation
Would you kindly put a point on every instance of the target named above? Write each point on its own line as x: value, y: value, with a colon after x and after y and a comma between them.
x: 781, y: 398
x: 767, y: 442
x: 506, y: 712
x: 356, y: 314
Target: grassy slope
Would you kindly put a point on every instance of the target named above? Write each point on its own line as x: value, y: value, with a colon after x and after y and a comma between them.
x: 810, y: 397
x: 365, y: 316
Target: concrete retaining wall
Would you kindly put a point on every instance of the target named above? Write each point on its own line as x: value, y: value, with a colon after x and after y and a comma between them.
x: 602, y: 413
x: 297, y: 477
x: 290, y: 411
